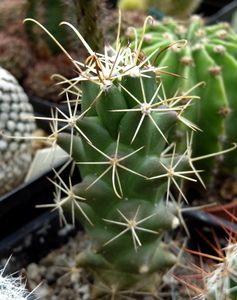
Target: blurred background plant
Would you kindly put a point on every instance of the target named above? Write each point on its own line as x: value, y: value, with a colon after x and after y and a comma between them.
x: 32, y: 57
x: 214, y: 276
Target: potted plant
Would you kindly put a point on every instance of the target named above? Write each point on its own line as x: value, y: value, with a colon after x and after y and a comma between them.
x: 120, y: 143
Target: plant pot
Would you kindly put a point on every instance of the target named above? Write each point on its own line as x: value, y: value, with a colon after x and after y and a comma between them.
x: 224, y: 14
x: 28, y: 232
x: 225, y: 211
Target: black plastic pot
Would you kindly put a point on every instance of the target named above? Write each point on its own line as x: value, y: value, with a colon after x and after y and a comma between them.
x: 28, y: 232
x: 224, y: 14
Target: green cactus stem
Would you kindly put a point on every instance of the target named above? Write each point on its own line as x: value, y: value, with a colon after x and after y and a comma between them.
x: 88, y: 15
x: 211, y: 57
x: 120, y: 207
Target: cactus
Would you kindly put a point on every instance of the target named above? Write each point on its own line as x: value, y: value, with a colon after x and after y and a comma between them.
x: 12, y: 11
x: 16, y: 56
x: 12, y: 287
x: 89, y: 15
x: 38, y: 81
x: 219, y: 281
x: 210, y: 56
x: 15, y: 155
x: 49, y: 13
x: 178, y: 8
x: 120, y: 144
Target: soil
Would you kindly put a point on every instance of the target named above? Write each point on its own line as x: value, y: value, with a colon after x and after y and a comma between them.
x: 56, y: 276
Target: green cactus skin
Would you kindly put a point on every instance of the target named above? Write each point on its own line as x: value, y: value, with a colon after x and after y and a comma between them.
x: 210, y: 56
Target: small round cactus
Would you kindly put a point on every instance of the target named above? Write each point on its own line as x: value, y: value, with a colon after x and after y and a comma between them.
x: 15, y: 154
x: 12, y: 11
x: 16, y: 55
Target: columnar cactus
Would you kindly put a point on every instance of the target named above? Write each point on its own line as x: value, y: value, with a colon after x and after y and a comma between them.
x: 49, y: 13
x: 211, y: 57
x: 119, y: 142
x: 16, y: 154
x: 178, y: 8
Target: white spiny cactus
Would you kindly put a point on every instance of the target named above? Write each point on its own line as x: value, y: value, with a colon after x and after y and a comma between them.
x: 12, y: 288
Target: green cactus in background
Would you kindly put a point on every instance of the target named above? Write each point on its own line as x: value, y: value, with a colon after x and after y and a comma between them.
x: 50, y: 13
x: 89, y: 15
x: 211, y: 57
x: 178, y: 8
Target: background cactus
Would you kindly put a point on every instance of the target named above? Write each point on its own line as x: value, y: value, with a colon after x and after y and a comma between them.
x: 12, y: 11
x: 217, y: 276
x: 221, y: 283
x: 38, y: 81
x: 50, y: 14
x: 16, y: 56
x: 209, y: 56
x: 118, y: 142
x: 23, y: 48
x: 178, y: 8
x: 13, y: 287
x: 16, y: 154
